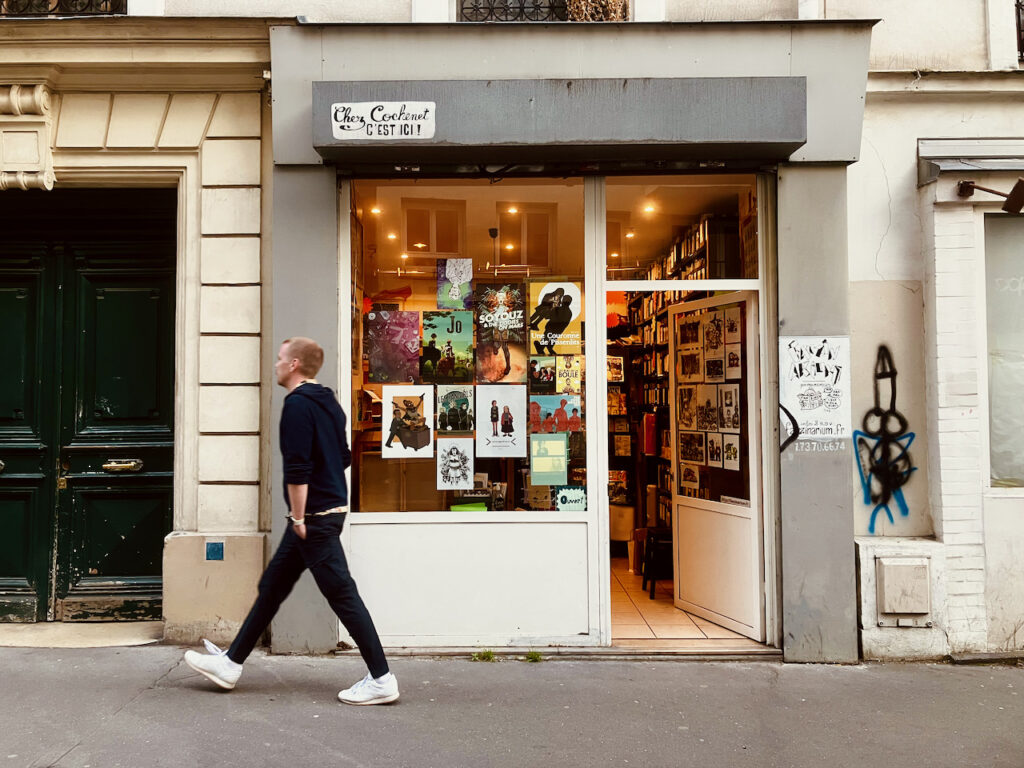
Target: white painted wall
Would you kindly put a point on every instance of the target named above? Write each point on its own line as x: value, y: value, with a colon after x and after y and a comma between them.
x: 922, y: 34
x: 313, y: 10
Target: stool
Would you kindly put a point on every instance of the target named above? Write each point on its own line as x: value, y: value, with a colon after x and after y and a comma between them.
x: 657, y: 557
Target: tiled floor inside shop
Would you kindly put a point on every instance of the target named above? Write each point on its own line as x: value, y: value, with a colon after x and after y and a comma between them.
x: 638, y: 621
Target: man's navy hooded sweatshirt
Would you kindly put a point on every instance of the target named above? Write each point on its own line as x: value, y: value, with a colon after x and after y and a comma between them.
x: 314, y: 447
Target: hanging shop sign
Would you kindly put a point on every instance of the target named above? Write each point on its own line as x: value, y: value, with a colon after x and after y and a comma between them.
x: 383, y: 120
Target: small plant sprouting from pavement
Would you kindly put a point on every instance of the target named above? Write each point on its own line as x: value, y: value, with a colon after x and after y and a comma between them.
x: 484, y: 655
x: 533, y: 657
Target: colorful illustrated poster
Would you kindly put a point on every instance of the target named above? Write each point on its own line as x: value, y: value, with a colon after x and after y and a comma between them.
x: 692, y: 447
x: 729, y: 410
x: 455, y: 406
x: 549, y: 459
x: 707, y: 408
x: 571, y: 498
x: 454, y: 464
x: 556, y: 318
x: 454, y: 283
x: 615, y: 369
x: 734, y: 361
x: 501, y: 333
x: 731, y: 452
x: 447, y: 354
x: 569, y: 374
x: 391, y: 343
x: 686, y: 407
x: 714, y: 449
x: 542, y: 374
x: 501, y: 420
x: 407, y: 413
x: 555, y: 413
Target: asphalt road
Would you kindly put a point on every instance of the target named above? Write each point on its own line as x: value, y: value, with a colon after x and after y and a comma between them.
x: 143, y: 708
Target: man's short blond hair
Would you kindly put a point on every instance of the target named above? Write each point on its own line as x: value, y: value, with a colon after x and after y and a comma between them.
x: 307, y: 352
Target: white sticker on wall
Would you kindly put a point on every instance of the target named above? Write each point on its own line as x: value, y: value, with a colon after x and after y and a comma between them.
x: 814, y: 386
x: 383, y: 120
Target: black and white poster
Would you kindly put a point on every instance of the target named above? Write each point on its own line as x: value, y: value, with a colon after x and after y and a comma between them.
x: 454, y: 463
x: 714, y: 449
x: 729, y: 409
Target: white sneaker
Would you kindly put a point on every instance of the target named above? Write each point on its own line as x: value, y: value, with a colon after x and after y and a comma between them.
x: 215, y: 664
x: 371, y: 691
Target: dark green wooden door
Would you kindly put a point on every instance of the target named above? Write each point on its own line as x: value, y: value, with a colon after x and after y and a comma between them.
x: 86, y: 402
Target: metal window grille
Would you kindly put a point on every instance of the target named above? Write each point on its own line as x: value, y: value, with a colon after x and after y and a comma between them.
x: 1020, y: 30
x: 63, y: 7
x: 513, y: 10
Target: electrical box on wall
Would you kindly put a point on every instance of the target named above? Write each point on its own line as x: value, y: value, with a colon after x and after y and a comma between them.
x: 904, y: 591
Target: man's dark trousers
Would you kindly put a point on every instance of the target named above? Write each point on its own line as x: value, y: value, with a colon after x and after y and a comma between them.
x: 321, y: 552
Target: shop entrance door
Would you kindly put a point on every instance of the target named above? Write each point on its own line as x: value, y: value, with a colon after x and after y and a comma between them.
x: 717, y: 525
x: 87, y: 285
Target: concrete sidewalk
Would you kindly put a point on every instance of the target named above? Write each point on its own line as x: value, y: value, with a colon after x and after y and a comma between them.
x: 142, y: 708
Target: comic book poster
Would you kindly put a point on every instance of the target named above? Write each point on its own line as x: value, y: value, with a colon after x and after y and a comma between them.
x: 454, y: 283
x: 713, y: 331
x: 556, y: 315
x: 729, y: 408
x: 555, y: 413
x: 391, y: 344
x: 501, y: 333
x: 734, y: 361
x: 454, y: 464
x: 714, y: 449
x: 455, y: 414
x: 731, y: 452
x: 501, y: 420
x: 407, y: 415
x: 686, y: 407
x: 447, y: 354
x: 569, y: 374
x: 542, y: 374
x: 707, y: 408
x: 549, y: 459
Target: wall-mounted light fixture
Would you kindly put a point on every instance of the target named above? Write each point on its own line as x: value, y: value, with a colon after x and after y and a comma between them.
x: 1014, y: 199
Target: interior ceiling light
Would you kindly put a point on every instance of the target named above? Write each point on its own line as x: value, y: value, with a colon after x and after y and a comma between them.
x: 392, y: 236
x: 630, y: 235
x: 509, y: 247
x: 375, y: 210
x: 405, y: 255
x: 513, y: 209
x: 648, y: 208
x: 614, y: 255
x: 419, y: 245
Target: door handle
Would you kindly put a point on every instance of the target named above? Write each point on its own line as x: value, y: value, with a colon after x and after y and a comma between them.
x: 2, y: 465
x: 123, y: 465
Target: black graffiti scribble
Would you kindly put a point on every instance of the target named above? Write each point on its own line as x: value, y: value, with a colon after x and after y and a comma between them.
x: 796, y: 429
x: 883, y: 447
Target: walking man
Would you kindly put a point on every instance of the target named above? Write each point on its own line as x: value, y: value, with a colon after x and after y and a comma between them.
x: 316, y: 454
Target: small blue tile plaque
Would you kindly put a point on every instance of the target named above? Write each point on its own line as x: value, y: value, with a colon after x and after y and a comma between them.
x: 215, y: 550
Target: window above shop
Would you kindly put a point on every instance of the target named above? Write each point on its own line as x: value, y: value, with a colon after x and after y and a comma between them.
x: 16, y: 8
x: 543, y: 10
x: 1020, y: 30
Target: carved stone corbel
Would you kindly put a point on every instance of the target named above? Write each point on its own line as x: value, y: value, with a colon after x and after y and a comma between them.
x: 26, y: 158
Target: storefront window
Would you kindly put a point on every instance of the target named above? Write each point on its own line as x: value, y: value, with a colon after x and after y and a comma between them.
x: 468, y: 390
x: 1004, y: 289
x: 681, y: 228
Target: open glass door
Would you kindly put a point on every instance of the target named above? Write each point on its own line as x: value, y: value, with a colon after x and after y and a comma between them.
x: 717, y: 536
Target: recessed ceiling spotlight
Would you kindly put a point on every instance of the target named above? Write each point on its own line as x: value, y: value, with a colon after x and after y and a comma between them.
x: 513, y: 209
x: 509, y: 247
x: 419, y: 245
x: 405, y: 255
x: 630, y: 235
x: 375, y: 210
x: 614, y: 255
x: 648, y: 208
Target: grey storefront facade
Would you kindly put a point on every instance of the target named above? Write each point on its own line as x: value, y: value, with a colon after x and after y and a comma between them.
x: 782, y: 100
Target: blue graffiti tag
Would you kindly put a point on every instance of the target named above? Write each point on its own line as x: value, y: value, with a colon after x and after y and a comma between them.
x: 882, y: 448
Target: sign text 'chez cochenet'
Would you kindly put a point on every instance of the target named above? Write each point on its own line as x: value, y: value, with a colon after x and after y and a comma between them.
x: 364, y: 120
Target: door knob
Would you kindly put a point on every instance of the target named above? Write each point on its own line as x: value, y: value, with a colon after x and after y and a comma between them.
x: 123, y: 465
